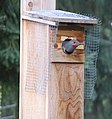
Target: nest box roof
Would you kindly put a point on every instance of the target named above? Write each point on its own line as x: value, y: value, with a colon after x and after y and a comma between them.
x: 61, y: 16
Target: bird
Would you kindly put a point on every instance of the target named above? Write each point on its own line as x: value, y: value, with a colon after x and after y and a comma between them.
x: 69, y: 45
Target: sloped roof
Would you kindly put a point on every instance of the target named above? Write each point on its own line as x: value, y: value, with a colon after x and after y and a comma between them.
x: 62, y: 16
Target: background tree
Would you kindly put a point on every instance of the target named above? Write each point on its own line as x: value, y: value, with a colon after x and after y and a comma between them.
x: 9, y: 54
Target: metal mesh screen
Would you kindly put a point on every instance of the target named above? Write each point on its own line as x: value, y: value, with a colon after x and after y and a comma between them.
x: 92, y: 39
x: 38, y: 58
x: 37, y: 71
x: 53, y: 35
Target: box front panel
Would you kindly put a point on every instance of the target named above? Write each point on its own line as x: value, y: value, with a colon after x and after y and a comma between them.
x: 66, y: 91
x: 66, y: 83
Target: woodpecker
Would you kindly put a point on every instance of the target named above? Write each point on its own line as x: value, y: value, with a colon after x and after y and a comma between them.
x: 69, y: 45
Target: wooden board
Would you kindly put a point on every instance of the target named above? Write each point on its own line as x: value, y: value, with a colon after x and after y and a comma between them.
x: 32, y: 104
x: 28, y: 5
x: 34, y: 70
x: 66, y: 91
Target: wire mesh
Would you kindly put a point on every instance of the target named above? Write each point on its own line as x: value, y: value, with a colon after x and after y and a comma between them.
x: 37, y: 71
x: 92, y: 39
x: 53, y: 35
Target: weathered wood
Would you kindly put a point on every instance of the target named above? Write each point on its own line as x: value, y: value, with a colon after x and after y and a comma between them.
x: 29, y: 5
x: 33, y: 102
x: 66, y: 91
x: 70, y: 27
x: 35, y: 51
x: 72, y: 33
x: 38, y: 20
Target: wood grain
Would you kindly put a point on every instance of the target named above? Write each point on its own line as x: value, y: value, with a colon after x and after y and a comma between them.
x: 66, y: 26
x: 28, y: 5
x: 66, y: 91
x: 72, y: 33
x: 34, y: 63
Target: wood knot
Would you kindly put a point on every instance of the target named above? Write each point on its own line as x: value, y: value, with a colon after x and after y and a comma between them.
x: 30, y: 4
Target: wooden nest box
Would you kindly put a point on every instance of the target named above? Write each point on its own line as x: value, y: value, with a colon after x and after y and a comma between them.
x: 52, y: 64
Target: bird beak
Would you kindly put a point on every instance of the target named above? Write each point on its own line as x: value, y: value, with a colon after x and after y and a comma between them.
x: 76, y: 45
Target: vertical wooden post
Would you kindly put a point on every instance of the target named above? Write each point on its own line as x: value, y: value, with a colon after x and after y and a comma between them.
x: 37, y: 5
x: 32, y: 105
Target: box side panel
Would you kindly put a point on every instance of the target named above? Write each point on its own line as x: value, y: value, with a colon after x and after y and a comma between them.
x: 34, y: 70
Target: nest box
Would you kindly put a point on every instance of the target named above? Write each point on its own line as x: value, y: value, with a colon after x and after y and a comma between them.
x: 54, y: 46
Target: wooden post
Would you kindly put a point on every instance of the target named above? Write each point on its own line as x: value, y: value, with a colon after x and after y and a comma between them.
x: 32, y: 105
x: 28, y: 5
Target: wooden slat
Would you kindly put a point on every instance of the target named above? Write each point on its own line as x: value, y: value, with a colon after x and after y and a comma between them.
x: 29, y: 5
x: 71, y: 27
x: 38, y: 20
x: 72, y: 33
x: 66, y: 91
x: 33, y: 65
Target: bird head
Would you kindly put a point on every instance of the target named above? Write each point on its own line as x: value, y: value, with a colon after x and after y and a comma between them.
x: 69, y: 45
